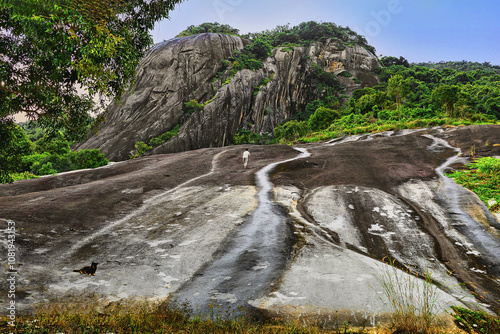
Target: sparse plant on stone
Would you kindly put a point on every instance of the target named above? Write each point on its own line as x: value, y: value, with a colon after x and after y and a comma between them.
x: 483, y: 178
x: 140, y: 148
x: 475, y: 322
x: 192, y: 107
x: 414, y: 302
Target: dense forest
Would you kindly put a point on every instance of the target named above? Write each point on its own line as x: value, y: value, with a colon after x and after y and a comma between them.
x: 462, y: 66
x: 408, y: 96
x: 46, y: 153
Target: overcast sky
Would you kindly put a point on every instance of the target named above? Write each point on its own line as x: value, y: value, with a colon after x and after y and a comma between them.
x: 419, y: 30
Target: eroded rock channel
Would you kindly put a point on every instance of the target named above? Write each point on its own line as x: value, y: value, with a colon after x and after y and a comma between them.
x: 249, y: 262
x: 166, y: 225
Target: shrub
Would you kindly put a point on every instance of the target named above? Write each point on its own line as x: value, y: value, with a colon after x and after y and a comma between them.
x: 290, y: 131
x: 14, y: 144
x: 53, y: 144
x: 164, y: 137
x: 209, y: 27
x: 260, y: 48
x: 23, y: 176
x: 88, y: 159
x: 287, y: 46
x: 191, y: 107
x: 45, y: 163
x: 29, y: 160
x: 37, y: 163
x: 46, y: 169
x: 249, y: 137
x: 141, y: 147
x: 345, y: 74
x: 322, y: 118
x: 60, y: 163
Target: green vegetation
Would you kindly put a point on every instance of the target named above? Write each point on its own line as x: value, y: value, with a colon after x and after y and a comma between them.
x: 461, y: 66
x: 251, y: 56
x: 209, y: 27
x: 310, y: 32
x: 141, y: 147
x: 164, y: 137
x: 409, y: 96
x: 475, y: 322
x: 262, y: 83
x: 15, y: 145
x: 249, y: 137
x: 191, y: 107
x: 291, y: 130
x: 48, y: 154
x: 483, y: 178
x: 49, y: 48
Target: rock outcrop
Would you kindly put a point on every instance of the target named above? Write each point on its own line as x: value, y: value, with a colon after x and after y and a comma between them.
x: 184, y: 69
x: 157, y: 224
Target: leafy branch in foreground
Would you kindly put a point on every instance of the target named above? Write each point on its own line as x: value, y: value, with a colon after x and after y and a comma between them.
x: 52, y: 50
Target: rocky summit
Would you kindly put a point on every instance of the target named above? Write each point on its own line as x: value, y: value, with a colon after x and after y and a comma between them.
x: 192, y: 68
x: 306, y: 232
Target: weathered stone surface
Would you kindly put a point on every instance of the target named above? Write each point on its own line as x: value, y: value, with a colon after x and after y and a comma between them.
x: 173, y: 72
x: 180, y: 70
x: 156, y: 223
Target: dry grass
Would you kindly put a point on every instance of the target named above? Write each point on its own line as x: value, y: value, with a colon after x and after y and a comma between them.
x: 89, y: 315
x: 415, y: 304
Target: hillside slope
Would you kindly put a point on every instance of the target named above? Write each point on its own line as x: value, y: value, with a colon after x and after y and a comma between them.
x: 196, y: 68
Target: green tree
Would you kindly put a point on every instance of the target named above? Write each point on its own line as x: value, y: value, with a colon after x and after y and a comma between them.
x: 14, y: 145
x: 399, y: 88
x: 389, y: 61
x: 290, y: 130
x: 49, y: 48
x: 447, y: 96
x: 54, y: 144
x: 260, y: 48
x: 209, y: 27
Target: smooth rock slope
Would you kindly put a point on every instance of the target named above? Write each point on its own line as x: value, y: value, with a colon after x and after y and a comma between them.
x: 158, y: 223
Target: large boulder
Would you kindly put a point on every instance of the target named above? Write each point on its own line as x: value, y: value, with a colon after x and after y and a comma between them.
x: 192, y: 68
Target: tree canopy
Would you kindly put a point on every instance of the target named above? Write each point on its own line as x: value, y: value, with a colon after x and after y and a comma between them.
x: 209, y: 27
x: 49, y: 48
x: 312, y: 31
x: 52, y: 50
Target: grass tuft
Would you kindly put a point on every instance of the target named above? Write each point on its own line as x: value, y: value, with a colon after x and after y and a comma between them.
x: 414, y: 303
